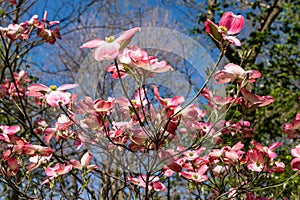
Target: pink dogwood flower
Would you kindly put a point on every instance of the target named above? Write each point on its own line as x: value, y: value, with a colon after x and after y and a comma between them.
x: 84, y: 162
x: 57, y: 170
x: 292, y: 129
x: 256, y: 161
x: 255, y: 100
x: 54, y: 96
x: 13, y: 167
x: 295, y: 164
x: 37, y: 160
x: 192, y: 155
x: 229, y: 25
x: 269, y: 151
x: 233, y: 72
x: 153, y: 183
x: 138, y: 58
x: 278, y: 167
x: 216, y: 101
x: 109, y: 49
x: 10, y: 89
x: 198, y: 176
x: 168, y: 102
x: 49, y: 35
x: 30, y: 149
x: 112, y: 69
x: 7, y: 133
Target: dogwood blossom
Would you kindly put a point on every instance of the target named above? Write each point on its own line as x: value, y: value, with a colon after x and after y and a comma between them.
x: 109, y: 48
x: 229, y: 25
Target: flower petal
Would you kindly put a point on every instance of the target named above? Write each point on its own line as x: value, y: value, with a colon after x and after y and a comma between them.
x: 93, y: 43
x: 233, y: 40
x: 233, y: 23
x: 107, y: 51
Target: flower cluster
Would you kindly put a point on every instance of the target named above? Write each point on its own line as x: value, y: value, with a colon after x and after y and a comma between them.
x: 147, y: 124
x: 15, y: 88
x: 131, y: 59
x: 22, y: 31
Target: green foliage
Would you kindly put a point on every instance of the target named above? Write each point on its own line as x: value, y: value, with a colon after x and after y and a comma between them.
x: 274, y: 45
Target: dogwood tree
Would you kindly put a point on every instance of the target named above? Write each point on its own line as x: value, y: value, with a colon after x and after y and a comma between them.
x: 149, y: 140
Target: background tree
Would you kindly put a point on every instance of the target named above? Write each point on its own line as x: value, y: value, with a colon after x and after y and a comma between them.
x: 270, y: 45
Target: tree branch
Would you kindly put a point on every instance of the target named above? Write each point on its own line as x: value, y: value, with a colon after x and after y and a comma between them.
x: 271, y: 16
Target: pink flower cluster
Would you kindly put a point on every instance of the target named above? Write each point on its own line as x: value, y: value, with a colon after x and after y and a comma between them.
x: 144, y: 127
x: 236, y: 74
x: 153, y: 182
x: 16, y: 147
x: 14, y: 89
x: 131, y: 59
x: 22, y: 31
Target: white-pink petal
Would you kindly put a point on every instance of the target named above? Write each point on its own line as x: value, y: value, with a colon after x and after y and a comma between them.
x: 233, y: 40
x: 107, y: 51
x: 66, y: 87
x: 93, y: 43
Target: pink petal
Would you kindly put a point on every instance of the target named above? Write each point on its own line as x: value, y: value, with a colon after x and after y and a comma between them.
x: 57, y: 98
x: 107, y: 51
x: 296, y: 152
x: 278, y: 167
x: 36, y: 90
x: 112, y: 69
x: 237, y: 146
x: 258, y: 146
x: 253, y: 74
x: 265, y: 100
x: 159, y: 67
x: 233, y: 23
x: 248, y: 96
x: 12, y: 163
x: 76, y: 164
x: 9, y: 130
x: 233, y: 40
x: 103, y: 106
x: 86, y: 159
x: 93, y: 43
x: 158, y: 186
x: 125, y: 38
x: 295, y: 164
x: 223, y: 77
x: 235, y: 69
x: 213, y: 30
x: 66, y: 87
x: 50, y: 172
x: 86, y: 105
x: 275, y: 145
x: 45, y: 16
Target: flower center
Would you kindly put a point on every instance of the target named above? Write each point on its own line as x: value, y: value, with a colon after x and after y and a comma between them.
x: 53, y: 87
x: 110, y: 39
x: 223, y: 28
x: 195, y: 176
